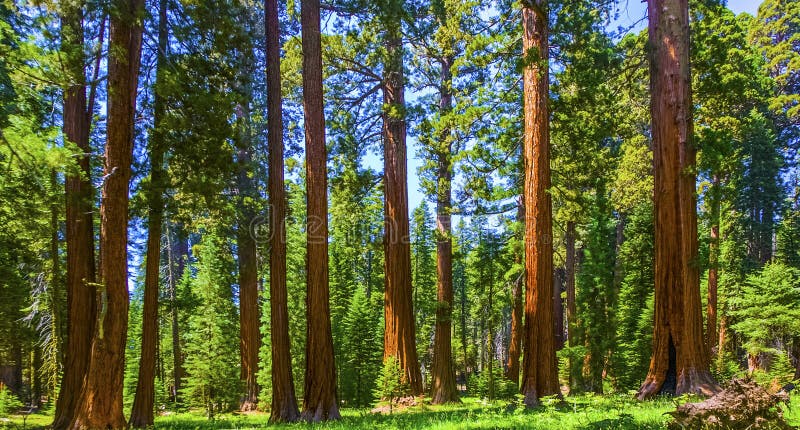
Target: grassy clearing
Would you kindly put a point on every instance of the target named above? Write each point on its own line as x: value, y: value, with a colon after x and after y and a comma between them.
x: 581, y: 412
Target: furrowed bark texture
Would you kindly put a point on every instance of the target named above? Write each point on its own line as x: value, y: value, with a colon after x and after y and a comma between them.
x: 142, y: 411
x: 679, y: 362
x: 443, y: 386
x: 79, y: 224
x: 284, y: 401
x: 100, y: 404
x: 539, y: 372
x: 399, y: 336
x: 319, y: 402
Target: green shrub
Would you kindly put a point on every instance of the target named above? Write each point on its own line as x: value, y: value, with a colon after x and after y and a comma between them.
x: 390, y: 384
x: 481, y: 385
x: 8, y: 402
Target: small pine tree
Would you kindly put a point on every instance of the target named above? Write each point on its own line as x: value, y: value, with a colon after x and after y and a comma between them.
x: 390, y: 384
x: 8, y: 402
x: 363, y: 360
x: 768, y: 310
x: 212, y: 365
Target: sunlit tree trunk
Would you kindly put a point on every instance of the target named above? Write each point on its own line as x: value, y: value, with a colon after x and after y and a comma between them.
x: 79, y: 224
x: 100, y: 404
x: 539, y: 372
x: 319, y: 401
x: 399, y: 339
x: 679, y: 362
x: 443, y: 387
x: 284, y: 402
x: 142, y: 411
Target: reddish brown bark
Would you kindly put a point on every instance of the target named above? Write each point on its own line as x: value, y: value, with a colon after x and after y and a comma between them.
x: 142, y: 411
x: 100, y: 404
x: 319, y: 401
x: 398, y: 340
x: 679, y: 351
x: 539, y: 372
x: 515, y: 342
x: 79, y: 223
x: 443, y: 386
x: 284, y: 402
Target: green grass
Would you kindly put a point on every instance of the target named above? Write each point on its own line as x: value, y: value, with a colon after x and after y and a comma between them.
x: 580, y: 412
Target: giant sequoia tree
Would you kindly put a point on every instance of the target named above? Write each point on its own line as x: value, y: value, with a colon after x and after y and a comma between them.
x: 319, y: 402
x: 539, y: 375
x: 100, y: 403
x: 284, y: 402
x: 142, y: 411
x: 79, y: 221
x: 398, y: 338
x: 679, y: 363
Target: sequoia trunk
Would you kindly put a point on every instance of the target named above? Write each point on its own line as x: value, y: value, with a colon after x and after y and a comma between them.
x: 319, y: 401
x: 100, y: 404
x: 679, y: 362
x: 79, y: 224
x: 284, y: 402
x: 399, y: 339
x: 443, y: 386
x: 539, y: 373
x: 142, y: 411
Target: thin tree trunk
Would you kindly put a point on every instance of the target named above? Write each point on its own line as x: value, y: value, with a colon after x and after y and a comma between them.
x: 796, y: 355
x: 443, y: 388
x: 515, y: 343
x: 58, y: 323
x: 143, y: 402
x: 399, y: 339
x: 249, y: 316
x: 319, y: 401
x: 679, y: 350
x: 558, y: 308
x: 100, y: 404
x: 575, y: 367
x: 79, y: 224
x: 539, y: 373
x: 713, y: 267
x: 284, y: 402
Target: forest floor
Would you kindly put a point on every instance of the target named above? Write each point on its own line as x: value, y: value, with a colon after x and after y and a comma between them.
x: 579, y: 412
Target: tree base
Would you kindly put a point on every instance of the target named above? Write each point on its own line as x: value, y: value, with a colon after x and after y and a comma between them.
x: 285, y: 414
x: 441, y: 397
x: 691, y: 381
x: 248, y: 406
x: 321, y: 413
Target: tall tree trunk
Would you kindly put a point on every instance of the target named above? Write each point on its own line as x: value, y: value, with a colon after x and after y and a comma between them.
x: 319, y: 401
x: 539, y: 372
x: 79, y: 225
x: 284, y: 402
x: 713, y: 267
x: 443, y: 387
x: 515, y: 343
x: 679, y: 362
x: 142, y: 411
x: 399, y: 339
x: 55, y: 292
x: 100, y: 404
x: 249, y: 317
